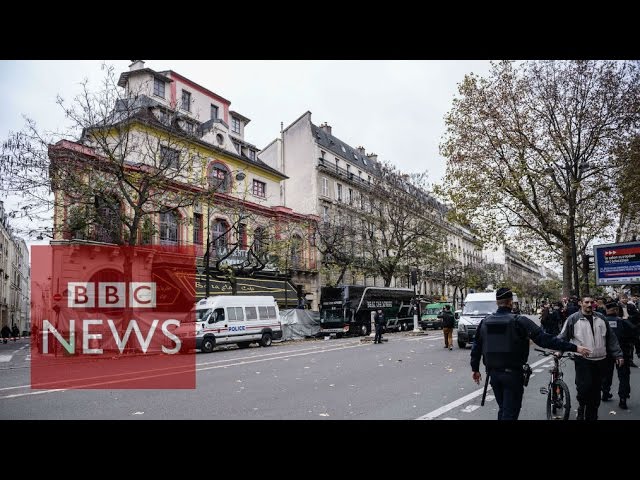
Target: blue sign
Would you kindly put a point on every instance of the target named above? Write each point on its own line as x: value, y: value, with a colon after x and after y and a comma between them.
x: 617, y: 263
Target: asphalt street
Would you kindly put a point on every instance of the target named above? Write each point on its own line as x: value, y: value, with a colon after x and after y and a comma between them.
x: 407, y: 377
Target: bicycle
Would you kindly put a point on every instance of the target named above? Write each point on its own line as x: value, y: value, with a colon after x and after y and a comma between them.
x: 557, y: 392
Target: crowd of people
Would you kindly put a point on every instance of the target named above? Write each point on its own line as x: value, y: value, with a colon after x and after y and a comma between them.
x: 603, y: 331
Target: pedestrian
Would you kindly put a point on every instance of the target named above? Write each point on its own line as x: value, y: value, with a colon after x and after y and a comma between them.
x: 502, y: 339
x: 627, y: 335
x: 634, y: 319
x: 380, y: 321
x: 448, y: 323
x: 588, y: 328
x: 15, y: 331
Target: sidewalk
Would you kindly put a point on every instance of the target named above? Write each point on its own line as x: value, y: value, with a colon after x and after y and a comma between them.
x: 610, y: 410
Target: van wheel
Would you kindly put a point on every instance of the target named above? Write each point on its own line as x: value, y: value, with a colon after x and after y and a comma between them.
x: 266, y: 340
x: 244, y: 344
x: 208, y: 344
x: 462, y: 344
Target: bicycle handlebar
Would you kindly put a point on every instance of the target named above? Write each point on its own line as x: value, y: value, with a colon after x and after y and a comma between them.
x: 566, y: 354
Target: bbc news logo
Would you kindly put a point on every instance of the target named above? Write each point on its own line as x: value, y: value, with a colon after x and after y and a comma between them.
x: 112, y: 295
x: 118, y: 316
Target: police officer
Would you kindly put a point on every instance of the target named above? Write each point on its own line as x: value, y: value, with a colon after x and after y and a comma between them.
x: 503, y: 341
x: 627, y: 334
x: 379, y: 319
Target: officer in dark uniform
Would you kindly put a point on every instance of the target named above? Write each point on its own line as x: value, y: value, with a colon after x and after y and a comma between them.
x: 380, y: 321
x: 502, y: 339
x: 627, y: 335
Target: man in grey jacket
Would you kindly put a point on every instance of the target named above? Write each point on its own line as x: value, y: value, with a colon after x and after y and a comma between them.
x: 589, y: 329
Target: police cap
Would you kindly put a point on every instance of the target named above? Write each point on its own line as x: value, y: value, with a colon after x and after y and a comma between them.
x: 504, y: 294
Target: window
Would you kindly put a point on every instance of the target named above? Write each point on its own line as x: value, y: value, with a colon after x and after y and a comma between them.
x: 260, y: 240
x: 252, y: 154
x: 337, y: 165
x: 235, y: 314
x: 348, y: 169
x: 267, y: 313
x: 158, y: 87
x: 186, y: 101
x: 251, y: 313
x: 339, y: 192
x: 220, y: 237
x: 242, y: 236
x: 107, y: 226
x: 350, y: 198
x: 322, y: 153
x: 325, y: 214
x: 235, y: 125
x: 271, y: 312
x: 219, y: 178
x: 168, y: 228
x: 237, y: 146
x: 325, y: 187
x: 197, y: 228
x: 259, y: 188
x: 364, y: 160
x: 214, y: 112
x: 262, y: 311
x: 169, y: 158
x: 296, y: 251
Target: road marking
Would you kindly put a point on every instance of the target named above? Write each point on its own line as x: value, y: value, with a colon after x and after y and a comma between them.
x: 178, y: 372
x: 461, y: 401
x: 6, y: 358
x: 470, y: 408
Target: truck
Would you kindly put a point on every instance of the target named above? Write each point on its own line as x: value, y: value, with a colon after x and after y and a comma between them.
x: 349, y: 309
x: 431, y: 317
x: 476, y: 306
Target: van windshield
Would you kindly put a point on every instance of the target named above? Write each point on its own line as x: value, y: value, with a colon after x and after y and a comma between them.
x: 477, y: 308
x: 202, y: 314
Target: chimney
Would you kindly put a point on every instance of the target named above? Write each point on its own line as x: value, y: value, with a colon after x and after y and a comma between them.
x: 373, y: 156
x: 360, y: 150
x: 325, y: 128
x: 136, y: 65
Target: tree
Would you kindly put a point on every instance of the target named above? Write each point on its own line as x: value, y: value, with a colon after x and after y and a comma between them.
x: 528, y: 151
x: 337, y: 241
x: 400, y: 229
x: 135, y: 159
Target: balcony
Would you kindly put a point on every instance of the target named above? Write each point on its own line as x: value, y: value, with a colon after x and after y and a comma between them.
x: 341, y: 173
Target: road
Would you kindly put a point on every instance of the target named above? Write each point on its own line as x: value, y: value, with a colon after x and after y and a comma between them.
x: 406, y: 377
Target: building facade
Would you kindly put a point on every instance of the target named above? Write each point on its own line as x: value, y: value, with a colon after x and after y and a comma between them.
x: 15, y: 277
x: 220, y: 194
x: 333, y: 180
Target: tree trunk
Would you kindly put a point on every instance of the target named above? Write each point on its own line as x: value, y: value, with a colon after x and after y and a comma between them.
x: 567, y: 272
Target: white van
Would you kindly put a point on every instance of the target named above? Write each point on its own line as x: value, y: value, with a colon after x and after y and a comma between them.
x: 476, y: 306
x: 237, y: 319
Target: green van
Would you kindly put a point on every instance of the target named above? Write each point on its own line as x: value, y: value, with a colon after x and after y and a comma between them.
x: 430, y: 315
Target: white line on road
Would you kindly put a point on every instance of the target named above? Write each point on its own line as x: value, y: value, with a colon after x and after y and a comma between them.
x: 456, y: 403
x: 5, y: 358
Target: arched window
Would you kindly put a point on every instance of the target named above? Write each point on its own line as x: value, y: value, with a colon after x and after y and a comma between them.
x: 107, y: 226
x: 220, y: 230
x: 168, y: 228
x: 296, y: 251
x: 219, y: 177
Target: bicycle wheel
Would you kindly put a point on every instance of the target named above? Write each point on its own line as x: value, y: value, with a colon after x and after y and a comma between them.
x: 558, y: 401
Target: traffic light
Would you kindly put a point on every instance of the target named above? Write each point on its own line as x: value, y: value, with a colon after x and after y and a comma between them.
x: 586, y: 263
x: 414, y: 277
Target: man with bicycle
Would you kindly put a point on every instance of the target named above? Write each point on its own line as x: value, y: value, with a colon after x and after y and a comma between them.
x: 502, y: 339
x: 589, y: 329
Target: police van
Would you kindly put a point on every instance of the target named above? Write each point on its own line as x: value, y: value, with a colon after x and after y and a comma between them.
x: 236, y: 319
x: 476, y: 306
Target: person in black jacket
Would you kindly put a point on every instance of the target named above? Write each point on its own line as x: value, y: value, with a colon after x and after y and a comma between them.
x: 448, y: 322
x: 627, y: 335
x: 380, y: 321
x: 502, y: 339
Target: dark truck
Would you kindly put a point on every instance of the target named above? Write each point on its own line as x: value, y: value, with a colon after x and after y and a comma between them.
x: 348, y: 310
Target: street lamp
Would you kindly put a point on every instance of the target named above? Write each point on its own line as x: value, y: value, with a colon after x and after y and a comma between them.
x: 240, y: 175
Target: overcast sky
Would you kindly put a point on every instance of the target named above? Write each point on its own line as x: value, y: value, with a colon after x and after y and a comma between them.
x: 393, y: 108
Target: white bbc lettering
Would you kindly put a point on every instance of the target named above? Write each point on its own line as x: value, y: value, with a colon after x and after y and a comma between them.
x: 142, y: 294
x: 111, y: 294
x: 81, y: 295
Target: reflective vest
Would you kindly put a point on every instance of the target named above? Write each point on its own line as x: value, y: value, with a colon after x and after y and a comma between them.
x: 503, y: 346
